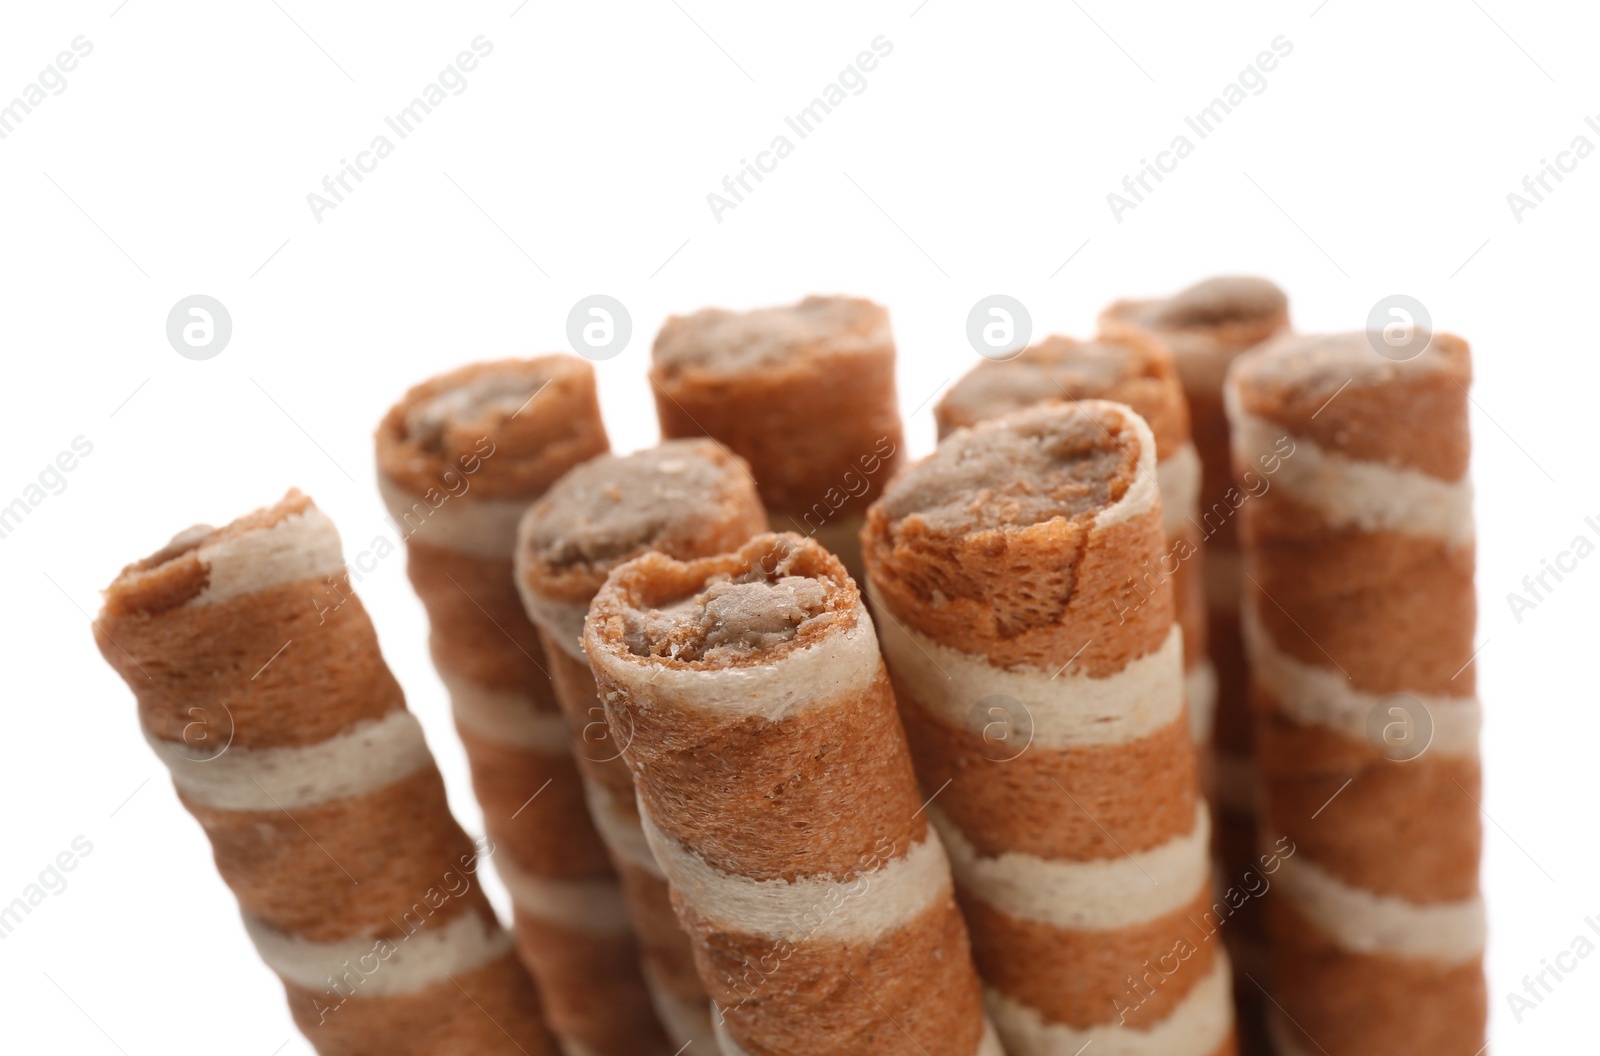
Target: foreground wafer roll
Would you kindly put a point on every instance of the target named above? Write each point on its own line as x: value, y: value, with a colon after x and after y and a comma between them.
x: 460, y: 459
x: 685, y: 499
x: 1043, y: 697
x: 1134, y: 370
x: 775, y: 788
x: 804, y: 393
x: 1206, y: 327
x: 260, y: 686
x: 1359, y: 614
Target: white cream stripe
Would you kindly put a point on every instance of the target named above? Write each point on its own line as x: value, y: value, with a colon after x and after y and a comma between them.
x: 592, y: 906
x: 1066, y: 710
x: 561, y: 621
x: 1178, y: 478
x: 621, y: 831
x: 479, y: 527
x: 505, y: 716
x: 840, y: 664
x: 299, y: 547
x: 387, y: 966
x: 364, y: 758
x: 1200, y: 690
x: 1370, y: 496
x: 812, y: 907
x: 1363, y: 922
x: 686, y: 1024
x: 1100, y: 895
x: 1197, y: 1025
x: 1319, y: 696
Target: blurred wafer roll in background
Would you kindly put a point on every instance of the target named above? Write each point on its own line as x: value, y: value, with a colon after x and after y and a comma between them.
x: 685, y: 499
x: 1206, y: 327
x: 1042, y: 691
x: 804, y: 393
x: 260, y: 686
x: 1131, y: 369
x: 460, y: 459
x: 777, y: 793
x: 1359, y: 614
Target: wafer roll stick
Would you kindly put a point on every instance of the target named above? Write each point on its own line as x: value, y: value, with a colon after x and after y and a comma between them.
x: 460, y: 459
x: 777, y: 793
x: 1359, y: 614
x: 1206, y: 327
x: 260, y: 686
x: 1134, y: 370
x: 1043, y: 698
x: 686, y: 499
x: 805, y: 394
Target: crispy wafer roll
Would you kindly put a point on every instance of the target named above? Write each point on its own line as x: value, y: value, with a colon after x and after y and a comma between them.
x: 1359, y: 615
x: 776, y: 791
x: 685, y: 499
x: 1206, y: 327
x: 460, y: 459
x: 1043, y: 698
x: 1135, y: 370
x: 804, y: 393
x: 260, y: 686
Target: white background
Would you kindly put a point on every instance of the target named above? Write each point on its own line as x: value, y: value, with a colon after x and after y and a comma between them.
x: 578, y: 159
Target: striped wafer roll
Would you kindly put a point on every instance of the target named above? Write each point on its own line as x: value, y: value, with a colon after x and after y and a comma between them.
x: 460, y: 459
x: 1135, y: 370
x: 1207, y: 326
x: 1043, y: 697
x: 260, y: 686
x: 804, y: 393
x: 1359, y: 615
x: 777, y: 793
x: 686, y: 499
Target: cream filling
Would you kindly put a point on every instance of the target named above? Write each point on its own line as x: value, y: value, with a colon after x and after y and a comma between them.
x: 591, y: 906
x: 1361, y: 921
x: 1367, y: 495
x: 1319, y: 696
x: 1200, y: 690
x: 1178, y: 479
x: 1197, y: 1025
x: 368, y: 756
x: 1099, y: 895
x: 812, y: 907
x: 1062, y: 710
x: 479, y: 527
x: 302, y: 546
x: 841, y: 664
x: 375, y: 967
x: 505, y: 716
x: 1142, y: 495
